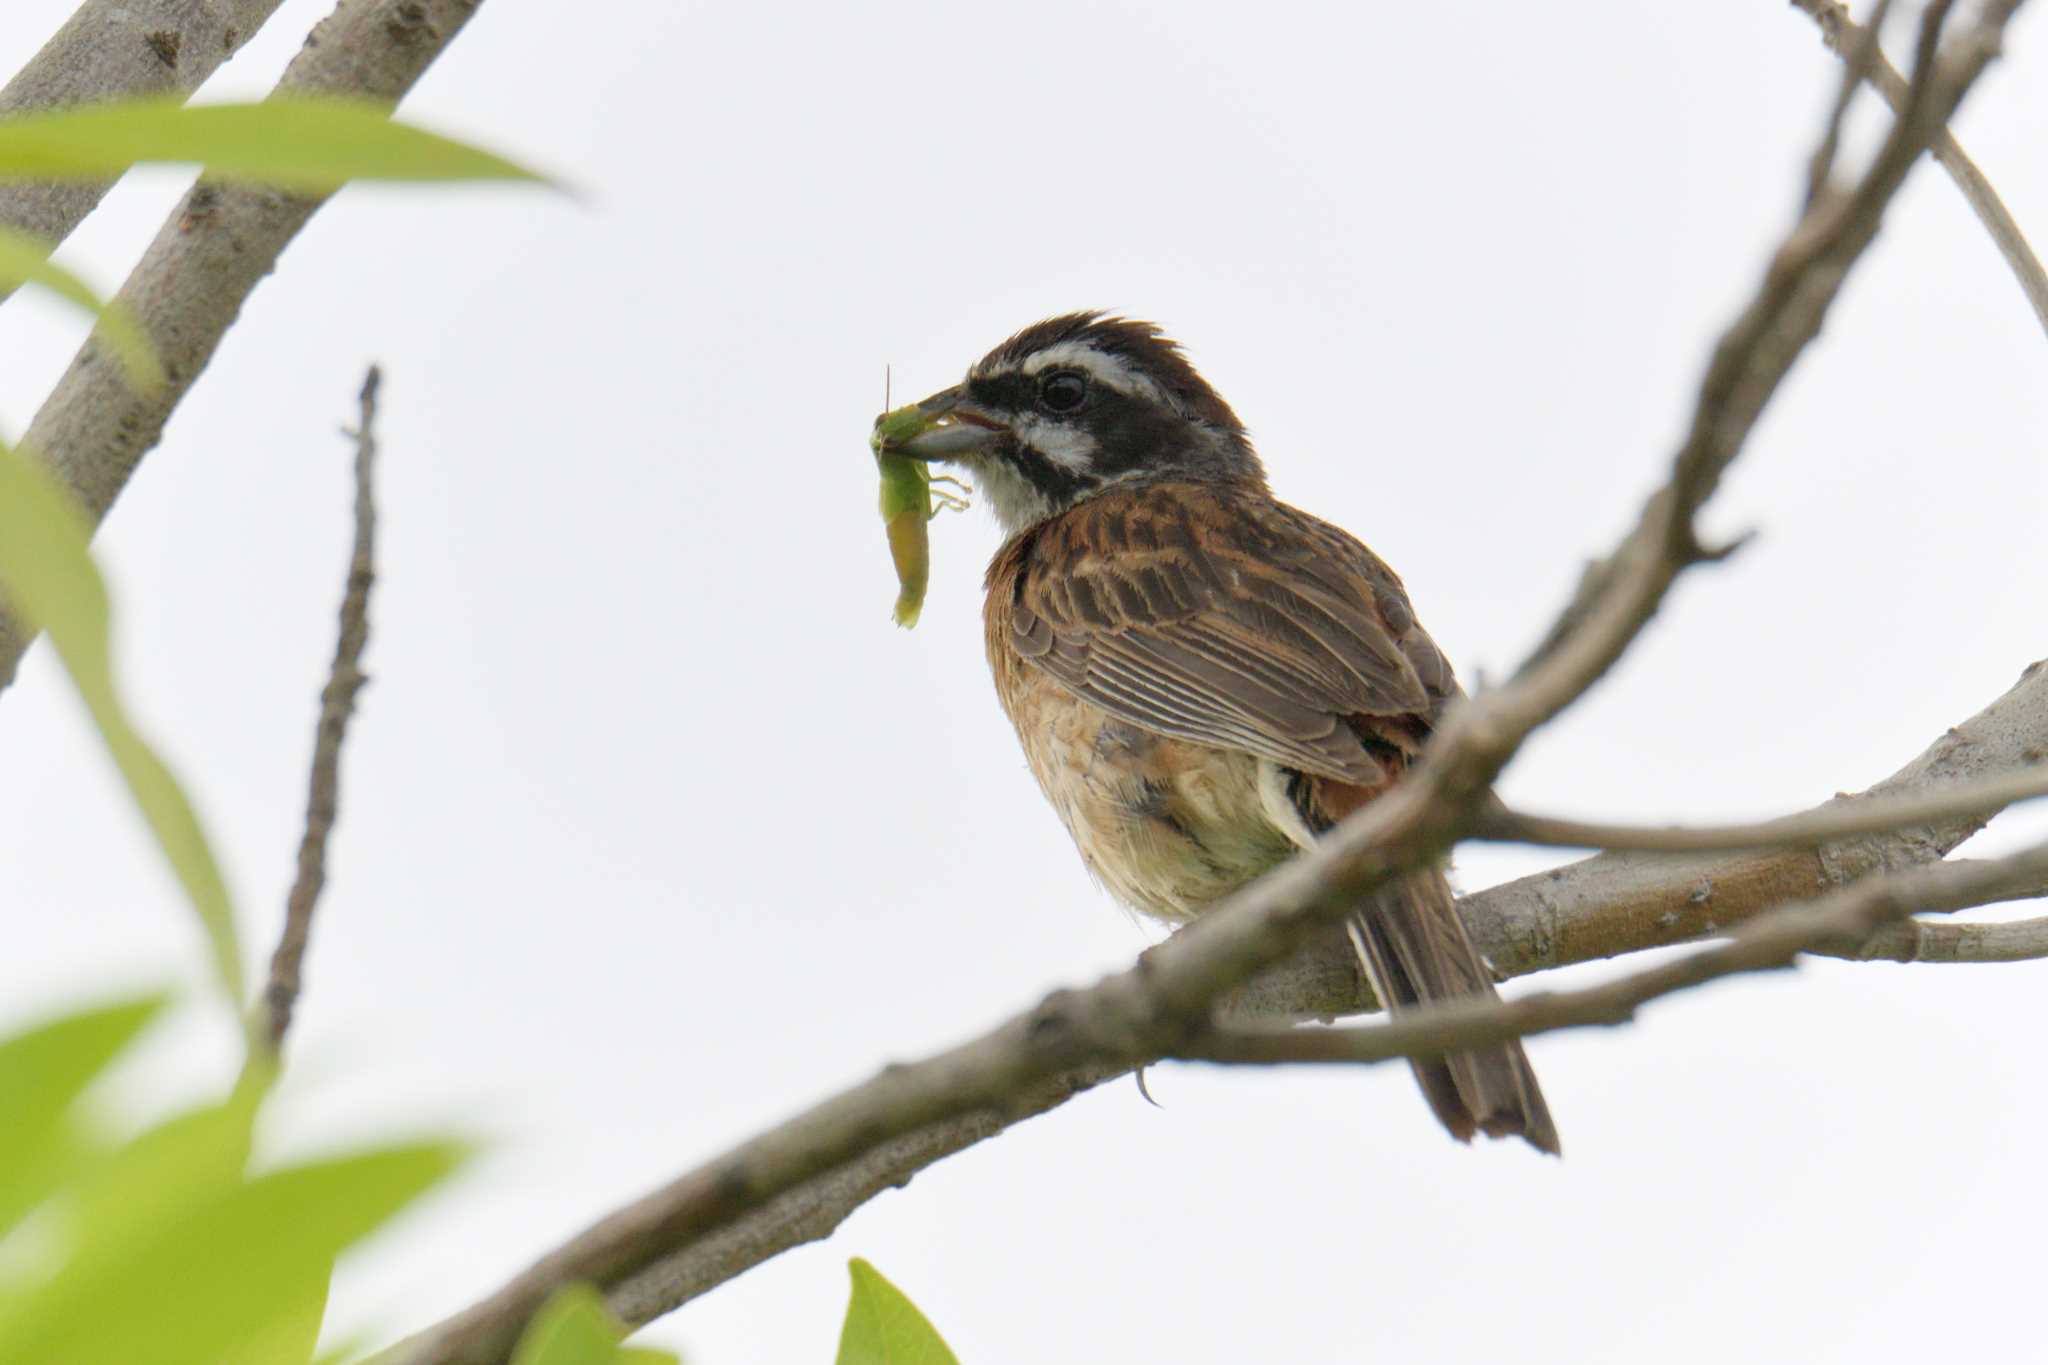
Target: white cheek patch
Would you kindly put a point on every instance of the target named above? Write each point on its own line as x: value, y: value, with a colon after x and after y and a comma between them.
x: 1014, y: 499
x: 1068, y: 447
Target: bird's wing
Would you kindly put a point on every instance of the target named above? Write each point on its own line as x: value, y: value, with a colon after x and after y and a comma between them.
x: 1217, y: 615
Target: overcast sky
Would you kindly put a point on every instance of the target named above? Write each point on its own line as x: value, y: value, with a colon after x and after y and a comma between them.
x: 621, y: 876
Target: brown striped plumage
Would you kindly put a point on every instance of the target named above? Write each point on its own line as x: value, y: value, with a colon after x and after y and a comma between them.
x: 1203, y: 678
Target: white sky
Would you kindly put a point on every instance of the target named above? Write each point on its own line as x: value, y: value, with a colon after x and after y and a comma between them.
x: 619, y: 879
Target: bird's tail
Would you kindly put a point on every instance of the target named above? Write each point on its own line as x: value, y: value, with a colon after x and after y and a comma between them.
x: 1415, y: 951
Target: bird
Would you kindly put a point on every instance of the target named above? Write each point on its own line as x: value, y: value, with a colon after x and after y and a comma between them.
x: 1204, y: 679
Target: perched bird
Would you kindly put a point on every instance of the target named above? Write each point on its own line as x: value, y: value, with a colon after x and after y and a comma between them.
x: 1204, y: 679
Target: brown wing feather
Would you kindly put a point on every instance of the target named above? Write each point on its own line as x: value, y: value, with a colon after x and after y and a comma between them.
x: 1217, y: 615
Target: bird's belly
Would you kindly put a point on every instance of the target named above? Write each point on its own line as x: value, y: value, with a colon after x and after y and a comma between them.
x: 1165, y: 825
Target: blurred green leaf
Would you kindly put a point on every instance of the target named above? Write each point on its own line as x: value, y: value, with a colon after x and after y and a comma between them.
x: 575, y: 1328
x: 43, y: 1070
x: 310, y: 143
x: 883, y: 1327
x: 224, y: 1274
x: 151, y: 1182
x: 49, y: 578
x: 292, y: 1338
x: 25, y: 259
x: 67, y: 1147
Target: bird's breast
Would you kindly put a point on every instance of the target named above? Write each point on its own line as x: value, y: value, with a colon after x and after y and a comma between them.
x: 1167, y: 826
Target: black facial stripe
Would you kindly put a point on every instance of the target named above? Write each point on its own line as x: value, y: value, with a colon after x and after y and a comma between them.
x: 1127, y: 434
x: 1059, y: 484
x: 1017, y: 393
x: 1003, y: 392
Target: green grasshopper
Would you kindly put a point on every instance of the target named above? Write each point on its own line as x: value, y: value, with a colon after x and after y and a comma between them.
x: 911, y: 496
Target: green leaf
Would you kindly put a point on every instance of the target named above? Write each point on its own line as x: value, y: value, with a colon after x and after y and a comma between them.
x: 225, y: 1275
x: 42, y: 1072
x: 49, y: 578
x: 575, y: 1328
x: 311, y: 143
x: 884, y: 1328
x: 159, y: 1177
x: 293, y: 1337
x: 25, y: 259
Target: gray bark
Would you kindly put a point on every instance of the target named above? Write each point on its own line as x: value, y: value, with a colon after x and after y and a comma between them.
x: 115, y: 49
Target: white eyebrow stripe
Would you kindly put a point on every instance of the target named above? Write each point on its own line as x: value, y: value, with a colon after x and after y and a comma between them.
x: 1103, y: 368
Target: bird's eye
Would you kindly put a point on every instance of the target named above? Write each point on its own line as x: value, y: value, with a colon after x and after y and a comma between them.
x: 1062, y: 392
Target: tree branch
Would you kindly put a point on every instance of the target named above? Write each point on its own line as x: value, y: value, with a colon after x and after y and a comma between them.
x: 337, y: 704
x: 1868, y: 815
x: 94, y: 429
x: 115, y: 49
x: 1164, y: 1002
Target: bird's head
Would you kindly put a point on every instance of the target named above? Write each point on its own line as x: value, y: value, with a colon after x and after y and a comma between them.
x: 1078, y: 404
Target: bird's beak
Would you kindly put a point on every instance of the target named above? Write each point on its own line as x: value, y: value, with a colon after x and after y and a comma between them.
x: 961, y: 429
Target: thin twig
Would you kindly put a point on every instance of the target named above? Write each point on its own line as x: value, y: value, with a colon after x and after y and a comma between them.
x: 1841, y: 921
x: 1919, y: 941
x: 1164, y: 1001
x: 337, y: 704
x: 1850, y: 40
x: 1870, y: 815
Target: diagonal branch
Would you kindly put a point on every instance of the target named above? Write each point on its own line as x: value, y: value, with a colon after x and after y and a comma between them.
x: 337, y: 704
x: 208, y: 257
x: 1163, y: 1003
x: 114, y: 49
